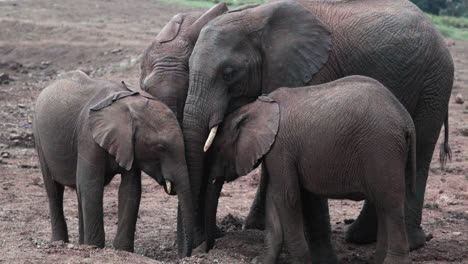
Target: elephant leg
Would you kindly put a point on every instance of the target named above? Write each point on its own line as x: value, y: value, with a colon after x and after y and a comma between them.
x: 317, y: 228
x: 57, y: 218
x: 428, y: 121
x: 364, y: 229
x: 273, y: 233
x: 381, y: 247
x: 256, y: 217
x: 129, y: 203
x: 397, y: 242
x: 90, y: 188
x: 80, y: 221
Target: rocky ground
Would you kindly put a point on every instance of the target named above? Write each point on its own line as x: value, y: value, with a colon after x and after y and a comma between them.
x: 41, y: 39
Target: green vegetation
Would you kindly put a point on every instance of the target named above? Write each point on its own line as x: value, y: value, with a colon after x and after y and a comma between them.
x: 456, y: 8
x: 453, y: 27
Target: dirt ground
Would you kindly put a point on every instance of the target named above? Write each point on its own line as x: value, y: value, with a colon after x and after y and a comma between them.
x: 41, y: 39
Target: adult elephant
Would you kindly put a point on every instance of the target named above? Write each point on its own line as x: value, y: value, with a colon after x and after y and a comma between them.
x: 257, y: 48
x: 164, y: 69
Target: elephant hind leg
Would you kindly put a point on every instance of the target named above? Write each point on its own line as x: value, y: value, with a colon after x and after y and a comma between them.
x: 55, y: 194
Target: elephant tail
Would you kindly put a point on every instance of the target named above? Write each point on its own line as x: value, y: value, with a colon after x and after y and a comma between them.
x: 445, y: 153
x: 411, y: 160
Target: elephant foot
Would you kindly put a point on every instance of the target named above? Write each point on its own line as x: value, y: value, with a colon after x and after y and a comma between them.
x: 120, y: 245
x: 362, y: 231
x: 324, y: 254
x: 416, y: 238
x: 396, y: 259
x: 254, y: 221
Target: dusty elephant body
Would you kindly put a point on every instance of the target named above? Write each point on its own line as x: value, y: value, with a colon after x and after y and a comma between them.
x: 86, y: 132
x: 348, y: 139
x: 258, y: 48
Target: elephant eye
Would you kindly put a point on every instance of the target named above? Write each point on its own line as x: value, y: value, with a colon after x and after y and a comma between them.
x: 228, y: 74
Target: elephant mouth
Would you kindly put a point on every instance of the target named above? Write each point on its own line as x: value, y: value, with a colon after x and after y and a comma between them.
x: 169, y: 187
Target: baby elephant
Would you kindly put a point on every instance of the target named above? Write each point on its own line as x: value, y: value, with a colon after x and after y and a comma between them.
x: 86, y: 132
x: 348, y: 139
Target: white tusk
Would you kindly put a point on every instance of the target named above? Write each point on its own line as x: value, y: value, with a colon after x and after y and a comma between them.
x: 210, y: 139
x: 168, y: 186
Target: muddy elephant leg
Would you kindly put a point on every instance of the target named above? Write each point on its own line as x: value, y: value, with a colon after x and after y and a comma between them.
x: 256, y: 217
x: 317, y: 228
x: 364, y: 229
x: 90, y: 188
x: 129, y: 203
x: 57, y: 218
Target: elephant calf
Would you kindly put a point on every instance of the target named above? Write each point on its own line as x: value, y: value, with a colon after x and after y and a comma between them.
x: 86, y: 132
x: 347, y: 139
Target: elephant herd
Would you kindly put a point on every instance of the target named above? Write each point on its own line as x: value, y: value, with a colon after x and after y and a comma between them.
x: 333, y: 99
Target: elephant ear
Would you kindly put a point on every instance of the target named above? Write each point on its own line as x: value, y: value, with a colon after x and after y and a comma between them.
x: 171, y: 29
x: 295, y: 42
x: 209, y: 15
x: 111, y: 126
x: 257, y: 125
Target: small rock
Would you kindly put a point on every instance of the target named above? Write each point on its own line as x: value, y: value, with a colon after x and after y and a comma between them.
x: 456, y: 233
x: 45, y: 63
x: 71, y: 246
x: 114, y: 51
x: 459, y: 99
x: 348, y: 221
x: 21, y: 106
x: 429, y: 237
x: 464, y: 131
x: 5, y: 78
x: 5, y: 155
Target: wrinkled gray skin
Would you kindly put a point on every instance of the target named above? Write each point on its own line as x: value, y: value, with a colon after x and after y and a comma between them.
x: 86, y: 132
x: 254, y: 50
x: 348, y: 139
x: 164, y: 68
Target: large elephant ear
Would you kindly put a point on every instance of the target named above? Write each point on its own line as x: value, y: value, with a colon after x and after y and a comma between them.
x: 209, y: 15
x: 257, y: 125
x: 111, y: 126
x: 295, y: 42
x: 171, y: 29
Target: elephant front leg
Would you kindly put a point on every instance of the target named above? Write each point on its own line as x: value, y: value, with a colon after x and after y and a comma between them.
x: 90, y: 189
x: 317, y: 228
x: 256, y: 217
x: 129, y: 203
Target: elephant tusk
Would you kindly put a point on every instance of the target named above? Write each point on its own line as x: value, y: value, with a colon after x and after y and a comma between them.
x: 210, y: 139
x: 168, y: 187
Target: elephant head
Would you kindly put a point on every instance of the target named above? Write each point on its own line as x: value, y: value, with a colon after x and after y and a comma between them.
x: 144, y: 133
x: 164, y: 67
x: 240, y: 55
x: 244, y: 138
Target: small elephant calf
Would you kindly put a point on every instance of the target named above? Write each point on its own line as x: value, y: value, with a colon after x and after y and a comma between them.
x: 86, y: 132
x: 347, y: 139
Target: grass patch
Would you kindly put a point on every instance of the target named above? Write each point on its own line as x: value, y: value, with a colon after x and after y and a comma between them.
x: 453, y: 27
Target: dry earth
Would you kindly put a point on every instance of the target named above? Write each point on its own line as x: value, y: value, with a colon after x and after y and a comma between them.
x: 40, y: 39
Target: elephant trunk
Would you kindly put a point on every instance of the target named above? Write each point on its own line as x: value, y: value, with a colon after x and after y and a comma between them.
x: 195, y: 131
x: 211, y: 204
x: 187, y: 214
